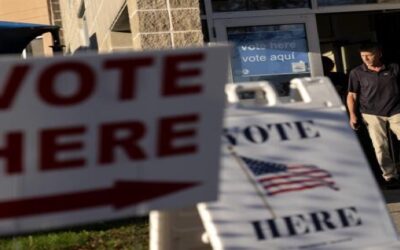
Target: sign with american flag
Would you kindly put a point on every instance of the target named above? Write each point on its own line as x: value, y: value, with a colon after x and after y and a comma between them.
x: 278, y: 178
x: 294, y: 177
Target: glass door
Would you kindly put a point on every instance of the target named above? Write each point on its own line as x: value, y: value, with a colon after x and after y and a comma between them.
x: 274, y: 48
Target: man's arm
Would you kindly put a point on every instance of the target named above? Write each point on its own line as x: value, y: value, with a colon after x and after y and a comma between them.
x: 352, y: 106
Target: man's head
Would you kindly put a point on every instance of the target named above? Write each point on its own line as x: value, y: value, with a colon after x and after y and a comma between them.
x: 371, y: 54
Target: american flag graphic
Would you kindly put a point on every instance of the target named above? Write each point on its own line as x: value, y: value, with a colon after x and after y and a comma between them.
x: 277, y: 178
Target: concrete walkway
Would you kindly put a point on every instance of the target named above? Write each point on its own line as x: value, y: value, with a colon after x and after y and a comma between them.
x: 393, y: 203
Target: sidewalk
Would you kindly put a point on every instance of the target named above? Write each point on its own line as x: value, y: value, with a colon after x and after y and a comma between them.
x: 392, y: 198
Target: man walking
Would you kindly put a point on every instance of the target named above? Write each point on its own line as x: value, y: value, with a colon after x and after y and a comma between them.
x: 374, y: 91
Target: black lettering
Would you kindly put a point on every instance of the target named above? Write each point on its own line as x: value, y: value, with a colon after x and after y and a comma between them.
x: 250, y: 131
x: 304, y: 128
x: 321, y: 218
x: 273, y: 228
x: 296, y: 225
x: 281, y: 130
x: 349, y: 217
x: 289, y: 225
x: 301, y: 224
x: 229, y: 136
x: 258, y: 230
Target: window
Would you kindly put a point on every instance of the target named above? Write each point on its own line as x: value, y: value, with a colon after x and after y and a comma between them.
x: 243, y: 5
x: 202, y: 7
x: 204, y: 29
x: 347, y: 2
x: 204, y: 26
x: 121, y: 34
x: 34, y: 48
x: 83, y: 26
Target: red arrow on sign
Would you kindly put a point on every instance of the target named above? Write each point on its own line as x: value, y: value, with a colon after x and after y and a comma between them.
x: 122, y: 194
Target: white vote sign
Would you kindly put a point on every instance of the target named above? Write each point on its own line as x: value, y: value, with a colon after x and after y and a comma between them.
x: 99, y: 137
x: 294, y: 177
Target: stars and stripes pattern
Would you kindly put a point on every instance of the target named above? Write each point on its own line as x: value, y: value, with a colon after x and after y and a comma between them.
x: 277, y: 178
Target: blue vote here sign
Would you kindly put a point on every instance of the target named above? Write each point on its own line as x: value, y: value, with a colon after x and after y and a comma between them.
x: 274, y: 52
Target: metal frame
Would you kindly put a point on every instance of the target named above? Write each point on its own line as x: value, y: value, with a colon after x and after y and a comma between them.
x: 209, y: 18
x: 315, y: 9
x: 357, y: 8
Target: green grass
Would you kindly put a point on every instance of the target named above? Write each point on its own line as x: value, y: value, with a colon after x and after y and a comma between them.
x: 133, y: 234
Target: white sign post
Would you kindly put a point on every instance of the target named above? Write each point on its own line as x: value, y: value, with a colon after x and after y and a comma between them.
x: 100, y: 137
x: 294, y: 177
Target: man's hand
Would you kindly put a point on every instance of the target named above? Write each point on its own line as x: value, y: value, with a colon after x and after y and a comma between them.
x: 351, y: 105
x: 354, y: 122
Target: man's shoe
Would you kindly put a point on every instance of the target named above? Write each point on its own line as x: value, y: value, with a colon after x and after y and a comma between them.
x: 392, y: 183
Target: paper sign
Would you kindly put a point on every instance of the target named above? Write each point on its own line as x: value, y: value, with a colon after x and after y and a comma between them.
x: 100, y: 137
x: 295, y: 179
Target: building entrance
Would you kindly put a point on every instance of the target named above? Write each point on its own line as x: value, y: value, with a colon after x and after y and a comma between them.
x: 340, y: 35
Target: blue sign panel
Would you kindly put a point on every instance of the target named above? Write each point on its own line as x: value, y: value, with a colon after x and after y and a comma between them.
x: 269, y: 50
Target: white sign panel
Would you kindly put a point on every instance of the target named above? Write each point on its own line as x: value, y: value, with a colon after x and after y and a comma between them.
x: 295, y: 179
x: 100, y: 137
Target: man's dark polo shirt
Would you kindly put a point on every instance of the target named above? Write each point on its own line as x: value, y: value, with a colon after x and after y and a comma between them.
x: 378, y: 92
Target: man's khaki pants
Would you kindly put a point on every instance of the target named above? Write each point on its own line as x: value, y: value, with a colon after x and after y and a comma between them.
x: 377, y: 130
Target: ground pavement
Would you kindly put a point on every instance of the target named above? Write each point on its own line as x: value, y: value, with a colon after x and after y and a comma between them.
x: 392, y: 198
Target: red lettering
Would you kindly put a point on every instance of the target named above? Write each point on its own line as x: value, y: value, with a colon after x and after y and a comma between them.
x: 12, y: 152
x: 172, y: 75
x: 47, y: 82
x: 12, y: 84
x: 50, y: 146
x: 128, y: 68
x: 168, y: 134
x: 59, y: 148
x: 109, y: 141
